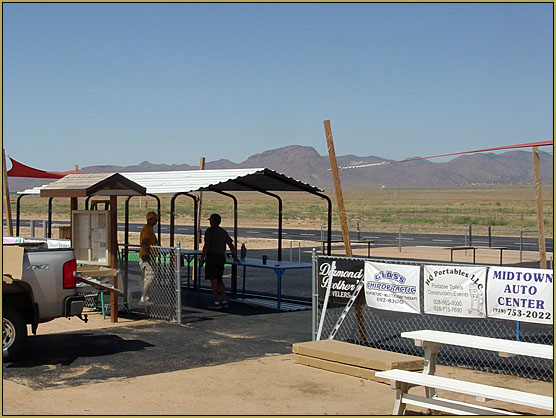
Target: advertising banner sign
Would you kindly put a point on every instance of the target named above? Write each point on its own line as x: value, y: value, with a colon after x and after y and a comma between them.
x: 455, y: 291
x: 392, y: 287
x: 345, y: 275
x: 520, y: 294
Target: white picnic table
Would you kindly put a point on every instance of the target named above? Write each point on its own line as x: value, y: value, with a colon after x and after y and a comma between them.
x: 432, y: 341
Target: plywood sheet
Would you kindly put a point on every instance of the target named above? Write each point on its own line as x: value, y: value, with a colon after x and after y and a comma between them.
x: 12, y: 261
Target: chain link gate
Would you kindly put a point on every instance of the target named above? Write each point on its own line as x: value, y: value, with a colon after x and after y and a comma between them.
x: 381, y: 329
x: 165, y: 290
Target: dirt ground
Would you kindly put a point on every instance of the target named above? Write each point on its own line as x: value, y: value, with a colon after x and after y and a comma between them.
x: 271, y: 385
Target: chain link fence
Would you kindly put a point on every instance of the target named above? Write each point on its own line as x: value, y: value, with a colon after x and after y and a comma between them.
x: 165, y: 290
x: 381, y: 329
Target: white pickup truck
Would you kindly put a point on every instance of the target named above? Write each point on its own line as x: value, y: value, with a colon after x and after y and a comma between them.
x: 38, y: 285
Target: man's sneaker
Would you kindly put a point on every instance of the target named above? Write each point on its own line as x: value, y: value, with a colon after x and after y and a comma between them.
x: 145, y: 300
x: 215, y: 306
x: 225, y: 304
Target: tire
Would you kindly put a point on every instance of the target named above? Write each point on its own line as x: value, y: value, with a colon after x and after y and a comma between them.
x: 14, y: 333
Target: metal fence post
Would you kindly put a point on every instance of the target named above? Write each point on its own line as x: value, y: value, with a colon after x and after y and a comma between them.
x: 314, y: 293
x: 470, y: 238
x: 32, y: 226
x: 400, y: 238
x: 178, y: 282
x: 45, y: 229
x: 521, y: 245
x: 489, y: 235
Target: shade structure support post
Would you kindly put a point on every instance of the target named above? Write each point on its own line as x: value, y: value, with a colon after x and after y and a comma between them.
x: 279, y: 211
x: 196, y: 281
x: 329, y: 220
x: 18, y: 213
x: 49, y: 226
x: 315, y: 192
x: 173, y: 215
x: 234, y: 266
x: 158, y: 212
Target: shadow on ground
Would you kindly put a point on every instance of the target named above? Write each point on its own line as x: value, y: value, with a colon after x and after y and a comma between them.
x: 204, y: 338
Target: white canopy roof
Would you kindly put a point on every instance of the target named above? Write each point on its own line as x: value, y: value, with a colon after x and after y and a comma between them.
x: 249, y: 179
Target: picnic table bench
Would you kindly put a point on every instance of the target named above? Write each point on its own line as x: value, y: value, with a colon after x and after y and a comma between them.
x: 431, y: 341
x: 475, y: 248
x: 369, y: 242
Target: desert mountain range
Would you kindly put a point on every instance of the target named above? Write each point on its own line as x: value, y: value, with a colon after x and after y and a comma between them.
x: 306, y: 164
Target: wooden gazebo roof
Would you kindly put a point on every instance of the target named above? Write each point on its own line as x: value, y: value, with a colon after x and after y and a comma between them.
x: 100, y: 184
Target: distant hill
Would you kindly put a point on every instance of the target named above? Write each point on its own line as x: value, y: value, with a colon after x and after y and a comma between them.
x: 306, y: 164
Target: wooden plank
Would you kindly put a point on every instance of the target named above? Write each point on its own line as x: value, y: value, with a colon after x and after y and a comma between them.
x: 99, y: 285
x: 334, y: 366
x: 357, y: 355
x: 113, y: 255
x: 8, y: 204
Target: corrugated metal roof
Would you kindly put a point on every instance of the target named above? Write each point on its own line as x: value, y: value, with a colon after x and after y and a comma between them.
x: 160, y: 182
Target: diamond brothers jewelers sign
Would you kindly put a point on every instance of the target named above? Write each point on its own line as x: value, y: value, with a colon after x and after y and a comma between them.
x: 345, y: 275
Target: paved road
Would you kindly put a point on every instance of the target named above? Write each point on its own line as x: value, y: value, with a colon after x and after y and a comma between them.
x: 382, y: 239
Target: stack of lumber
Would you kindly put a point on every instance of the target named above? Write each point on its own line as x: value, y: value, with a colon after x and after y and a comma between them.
x: 351, y: 359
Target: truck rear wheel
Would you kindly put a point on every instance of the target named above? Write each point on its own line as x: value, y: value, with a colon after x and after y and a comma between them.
x: 14, y: 333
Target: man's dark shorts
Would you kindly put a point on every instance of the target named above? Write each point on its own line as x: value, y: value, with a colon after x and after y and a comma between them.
x: 214, y: 267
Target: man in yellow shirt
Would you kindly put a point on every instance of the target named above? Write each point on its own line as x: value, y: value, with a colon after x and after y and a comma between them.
x: 147, y: 238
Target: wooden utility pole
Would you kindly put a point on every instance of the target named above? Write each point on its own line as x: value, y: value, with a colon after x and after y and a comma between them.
x: 343, y: 219
x: 7, y: 195
x: 337, y: 187
x: 113, y: 255
x: 540, y: 221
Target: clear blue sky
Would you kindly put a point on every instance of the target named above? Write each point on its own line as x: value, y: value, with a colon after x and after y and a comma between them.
x: 104, y: 83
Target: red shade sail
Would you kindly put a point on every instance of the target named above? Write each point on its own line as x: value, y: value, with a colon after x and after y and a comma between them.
x: 22, y: 170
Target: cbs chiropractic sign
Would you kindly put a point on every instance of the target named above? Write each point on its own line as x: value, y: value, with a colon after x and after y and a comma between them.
x: 464, y: 291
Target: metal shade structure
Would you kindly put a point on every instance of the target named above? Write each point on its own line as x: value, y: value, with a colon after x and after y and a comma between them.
x: 178, y: 183
x: 262, y: 180
x: 233, y: 180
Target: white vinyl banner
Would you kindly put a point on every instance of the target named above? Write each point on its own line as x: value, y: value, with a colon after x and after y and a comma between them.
x: 520, y: 294
x: 455, y: 291
x: 392, y: 287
